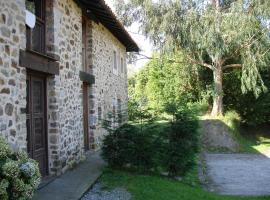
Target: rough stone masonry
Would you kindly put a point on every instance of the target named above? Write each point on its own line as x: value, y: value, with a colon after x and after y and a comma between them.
x: 65, y: 131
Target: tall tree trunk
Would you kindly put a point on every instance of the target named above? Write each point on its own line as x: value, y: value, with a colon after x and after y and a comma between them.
x: 218, y: 96
x: 217, y: 72
x: 216, y: 3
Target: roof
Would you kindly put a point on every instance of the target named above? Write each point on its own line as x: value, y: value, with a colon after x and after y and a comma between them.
x: 101, y: 12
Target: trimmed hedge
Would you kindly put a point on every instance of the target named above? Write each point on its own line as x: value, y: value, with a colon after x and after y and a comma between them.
x: 19, y: 175
x: 173, y: 150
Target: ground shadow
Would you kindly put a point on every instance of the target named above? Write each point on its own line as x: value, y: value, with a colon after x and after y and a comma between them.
x: 257, y: 137
x: 218, y: 137
x: 232, y: 162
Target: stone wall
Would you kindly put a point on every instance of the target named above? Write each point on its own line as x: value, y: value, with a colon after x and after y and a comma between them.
x: 64, y: 91
x: 12, y: 76
x: 65, y: 117
x: 110, y: 86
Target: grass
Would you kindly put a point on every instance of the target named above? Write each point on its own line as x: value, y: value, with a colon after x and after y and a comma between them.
x: 250, y: 139
x: 153, y: 187
x: 258, y: 138
x: 150, y: 187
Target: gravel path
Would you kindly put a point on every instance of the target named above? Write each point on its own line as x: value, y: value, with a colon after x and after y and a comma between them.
x: 97, y: 193
x: 238, y: 174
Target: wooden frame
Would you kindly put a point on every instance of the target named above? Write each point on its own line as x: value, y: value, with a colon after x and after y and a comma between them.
x: 30, y: 116
x: 84, y: 45
x: 87, y: 78
x: 38, y: 62
x: 86, y: 117
x: 40, y: 22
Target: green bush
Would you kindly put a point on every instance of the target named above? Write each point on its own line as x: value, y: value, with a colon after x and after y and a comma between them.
x: 171, y: 148
x: 19, y: 175
x: 182, y: 144
x: 118, y: 145
x: 127, y: 145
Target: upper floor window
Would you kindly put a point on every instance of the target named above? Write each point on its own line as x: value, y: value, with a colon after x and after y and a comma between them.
x: 114, y: 60
x: 99, y: 113
x: 36, y: 36
x: 122, y: 65
x: 119, y: 111
x: 84, y: 41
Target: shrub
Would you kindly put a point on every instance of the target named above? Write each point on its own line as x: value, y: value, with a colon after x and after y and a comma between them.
x: 127, y: 146
x: 182, y: 144
x: 118, y: 146
x: 171, y: 148
x: 142, y: 154
x: 19, y: 175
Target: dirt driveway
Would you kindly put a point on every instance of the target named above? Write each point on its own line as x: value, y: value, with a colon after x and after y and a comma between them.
x: 238, y: 174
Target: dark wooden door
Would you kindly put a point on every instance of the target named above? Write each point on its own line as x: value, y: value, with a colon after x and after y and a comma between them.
x: 85, y: 116
x: 36, y: 121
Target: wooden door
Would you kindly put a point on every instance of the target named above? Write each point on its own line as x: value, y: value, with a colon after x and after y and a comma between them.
x: 85, y: 116
x: 36, y: 121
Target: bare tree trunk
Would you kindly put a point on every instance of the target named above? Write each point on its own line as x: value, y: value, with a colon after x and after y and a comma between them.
x: 218, y: 96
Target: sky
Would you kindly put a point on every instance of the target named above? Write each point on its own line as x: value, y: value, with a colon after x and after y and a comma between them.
x: 144, y: 44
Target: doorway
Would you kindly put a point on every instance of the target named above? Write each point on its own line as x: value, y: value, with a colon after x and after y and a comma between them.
x: 36, y: 120
x: 86, y: 116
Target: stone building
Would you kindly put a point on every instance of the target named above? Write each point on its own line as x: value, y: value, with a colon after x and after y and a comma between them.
x: 62, y: 69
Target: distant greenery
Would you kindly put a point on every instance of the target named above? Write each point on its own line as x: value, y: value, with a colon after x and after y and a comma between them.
x: 162, y: 83
x: 216, y: 35
x: 151, y: 187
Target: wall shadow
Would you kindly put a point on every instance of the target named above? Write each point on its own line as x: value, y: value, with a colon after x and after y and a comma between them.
x: 218, y: 137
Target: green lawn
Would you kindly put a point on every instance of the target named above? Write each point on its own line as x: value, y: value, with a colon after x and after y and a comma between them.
x: 152, y: 187
x: 146, y: 187
x: 254, y: 139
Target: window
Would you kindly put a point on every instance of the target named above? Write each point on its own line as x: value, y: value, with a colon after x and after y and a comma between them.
x: 119, y: 111
x: 84, y: 63
x: 99, y: 113
x: 114, y: 115
x: 30, y: 5
x: 114, y: 61
x: 122, y: 65
x: 36, y: 36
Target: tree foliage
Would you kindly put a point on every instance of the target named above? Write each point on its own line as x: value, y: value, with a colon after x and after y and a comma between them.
x: 253, y: 111
x: 214, y: 34
x: 162, y: 83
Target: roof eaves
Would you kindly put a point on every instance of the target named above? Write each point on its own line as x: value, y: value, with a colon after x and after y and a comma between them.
x: 101, y: 12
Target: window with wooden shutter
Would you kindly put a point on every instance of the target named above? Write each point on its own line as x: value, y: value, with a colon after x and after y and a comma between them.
x: 36, y: 36
x: 84, y: 41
